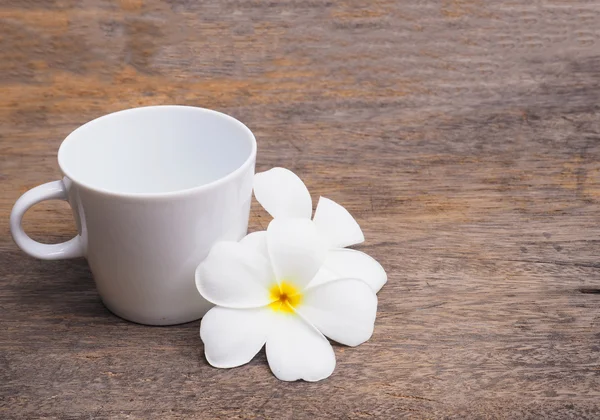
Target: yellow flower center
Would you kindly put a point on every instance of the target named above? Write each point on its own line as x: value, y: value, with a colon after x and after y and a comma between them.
x: 285, y: 296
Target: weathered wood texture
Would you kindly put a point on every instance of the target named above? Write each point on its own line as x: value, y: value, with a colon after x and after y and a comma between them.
x: 464, y: 135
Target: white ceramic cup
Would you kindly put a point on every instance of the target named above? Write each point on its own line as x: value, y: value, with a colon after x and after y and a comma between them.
x: 151, y: 189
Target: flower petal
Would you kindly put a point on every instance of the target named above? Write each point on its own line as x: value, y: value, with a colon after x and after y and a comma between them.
x: 232, y: 337
x: 297, y: 350
x: 282, y: 193
x: 235, y: 276
x: 297, y: 250
x: 257, y: 241
x: 344, y: 310
x: 349, y: 263
x: 324, y: 275
x: 337, y: 224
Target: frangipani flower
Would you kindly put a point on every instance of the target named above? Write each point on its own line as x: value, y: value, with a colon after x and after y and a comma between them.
x: 283, y: 195
x: 264, y: 292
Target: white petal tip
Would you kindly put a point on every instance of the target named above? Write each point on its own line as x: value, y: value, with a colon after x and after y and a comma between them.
x: 337, y: 224
x: 298, y: 351
x: 282, y: 193
x: 232, y: 337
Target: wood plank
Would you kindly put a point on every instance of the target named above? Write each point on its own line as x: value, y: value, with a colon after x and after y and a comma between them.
x: 464, y: 136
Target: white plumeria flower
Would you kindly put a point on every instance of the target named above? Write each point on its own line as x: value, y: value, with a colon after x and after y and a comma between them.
x: 263, y: 295
x: 283, y: 194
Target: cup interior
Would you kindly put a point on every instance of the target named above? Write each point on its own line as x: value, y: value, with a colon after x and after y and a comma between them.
x: 154, y: 150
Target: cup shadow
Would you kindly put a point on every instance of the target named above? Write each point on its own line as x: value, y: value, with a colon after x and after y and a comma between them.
x: 32, y: 287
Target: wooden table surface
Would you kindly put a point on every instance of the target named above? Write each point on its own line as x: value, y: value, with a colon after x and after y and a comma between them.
x: 463, y: 135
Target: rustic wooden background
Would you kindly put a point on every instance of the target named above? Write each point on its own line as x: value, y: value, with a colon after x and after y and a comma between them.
x: 464, y: 135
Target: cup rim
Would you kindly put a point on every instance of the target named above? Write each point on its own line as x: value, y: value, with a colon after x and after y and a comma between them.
x: 167, y: 194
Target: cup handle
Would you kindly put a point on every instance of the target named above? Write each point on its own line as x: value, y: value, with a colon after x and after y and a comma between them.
x: 54, y: 190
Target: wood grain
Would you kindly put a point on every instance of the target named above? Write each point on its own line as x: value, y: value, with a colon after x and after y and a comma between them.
x: 464, y: 135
